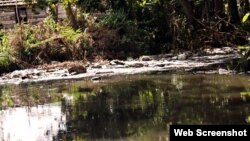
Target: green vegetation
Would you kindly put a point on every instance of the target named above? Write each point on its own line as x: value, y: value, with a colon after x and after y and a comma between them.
x: 125, y: 28
x: 45, y: 42
x: 4, y: 49
x: 114, y: 19
x: 245, y: 49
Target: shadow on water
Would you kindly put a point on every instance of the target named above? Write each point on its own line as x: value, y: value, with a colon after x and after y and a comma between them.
x: 132, y: 107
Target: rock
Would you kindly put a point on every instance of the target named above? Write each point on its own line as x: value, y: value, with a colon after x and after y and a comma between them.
x: 64, y: 75
x: 145, y: 58
x: 223, y: 50
x: 55, y: 62
x: 130, y: 59
x: 25, y: 77
x: 104, y: 66
x: 117, y: 62
x: 76, y: 69
x: 15, y: 74
x: 20, y: 74
x: 184, y: 55
x: 104, y: 72
x: 175, y: 58
x: 136, y: 65
x: 218, y: 51
x: 96, y: 78
x: 169, y: 55
x: 224, y: 71
x: 160, y: 65
x: 145, y: 64
x: 228, y: 50
x: 119, y: 66
x: 97, y: 66
x: 51, y: 70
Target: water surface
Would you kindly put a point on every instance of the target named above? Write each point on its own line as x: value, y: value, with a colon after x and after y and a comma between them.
x: 121, y: 108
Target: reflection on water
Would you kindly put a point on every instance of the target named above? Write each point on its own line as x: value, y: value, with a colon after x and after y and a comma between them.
x: 39, y: 123
x: 122, y: 108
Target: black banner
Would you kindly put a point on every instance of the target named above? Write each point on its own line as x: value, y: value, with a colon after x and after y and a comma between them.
x: 214, y: 132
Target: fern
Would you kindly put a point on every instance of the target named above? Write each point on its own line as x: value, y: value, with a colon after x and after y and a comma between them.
x: 70, y: 34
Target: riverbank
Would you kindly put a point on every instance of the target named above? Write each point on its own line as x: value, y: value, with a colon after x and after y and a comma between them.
x: 221, y: 61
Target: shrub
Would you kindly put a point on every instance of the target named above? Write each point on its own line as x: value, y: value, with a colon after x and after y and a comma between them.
x: 48, y: 41
x: 245, y: 61
x: 114, y: 19
x: 4, y: 49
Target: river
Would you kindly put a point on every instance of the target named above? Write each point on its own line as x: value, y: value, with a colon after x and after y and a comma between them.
x: 133, y: 108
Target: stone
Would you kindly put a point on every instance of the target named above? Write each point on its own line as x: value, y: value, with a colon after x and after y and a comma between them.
x: 184, y: 55
x: 117, y: 62
x: 96, y: 66
x: 224, y: 71
x: 227, y: 50
x: 55, y: 62
x: 130, y: 59
x: 104, y: 72
x: 76, y: 69
x: 160, y: 65
x: 96, y: 78
x: 64, y: 75
x: 222, y: 50
x: 174, y: 58
x: 145, y: 58
x: 136, y: 65
x: 120, y: 66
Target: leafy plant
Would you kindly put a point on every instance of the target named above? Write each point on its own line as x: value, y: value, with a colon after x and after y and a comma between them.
x: 114, y: 19
x: 248, y: 119
x: 4, y: 49
x: 50, y: 24
x: 89, y: 5
x: 245, y: 49
x: 245, y: 18
x: 70, y: 34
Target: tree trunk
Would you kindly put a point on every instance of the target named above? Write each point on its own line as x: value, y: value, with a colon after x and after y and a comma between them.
x: 211, y: 9
x: 219, y: 8
x: 71, y: 16
x: 207, y: 9
x: 233, y: 12
x: 245, y: 6
x: 189, y: 11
